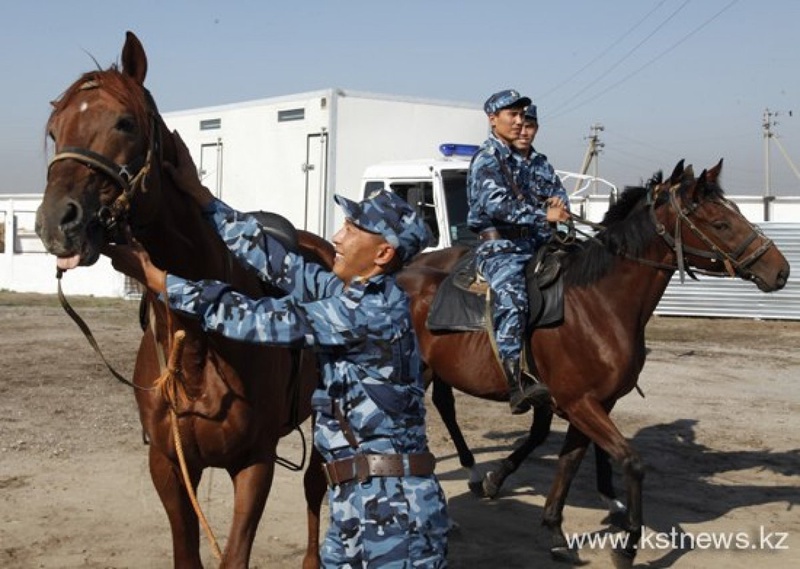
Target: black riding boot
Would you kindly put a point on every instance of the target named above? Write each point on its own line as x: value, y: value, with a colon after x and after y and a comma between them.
x: 522, y: 397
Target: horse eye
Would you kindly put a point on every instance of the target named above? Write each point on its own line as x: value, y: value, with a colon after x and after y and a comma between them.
x: 721, y: 225
x: 125, y: 124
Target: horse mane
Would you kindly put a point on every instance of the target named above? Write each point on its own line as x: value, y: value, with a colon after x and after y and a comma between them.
x: 119, y: 85
x: 627, y: 228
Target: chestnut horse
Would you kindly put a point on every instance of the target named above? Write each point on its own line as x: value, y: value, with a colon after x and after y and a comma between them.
x: 235, y: 400
x: 612, y: 285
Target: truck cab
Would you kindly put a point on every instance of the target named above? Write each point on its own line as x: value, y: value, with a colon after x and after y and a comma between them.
x: 437, y: 189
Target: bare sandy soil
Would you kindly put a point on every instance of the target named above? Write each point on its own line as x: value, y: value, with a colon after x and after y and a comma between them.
x: 718, y: 431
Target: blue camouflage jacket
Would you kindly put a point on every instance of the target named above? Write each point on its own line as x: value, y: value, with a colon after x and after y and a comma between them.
x: 363, y: 336
x: 492, y: 200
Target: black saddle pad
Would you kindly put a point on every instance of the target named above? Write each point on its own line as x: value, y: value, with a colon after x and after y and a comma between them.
x: 457, y: 308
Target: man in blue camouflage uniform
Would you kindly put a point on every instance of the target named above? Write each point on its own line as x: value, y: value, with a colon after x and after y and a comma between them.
x: 545, y: 183
x: 387, y: 509
x: 512, y: 221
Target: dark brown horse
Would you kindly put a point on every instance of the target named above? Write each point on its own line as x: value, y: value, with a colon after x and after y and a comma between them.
x: 488, y: 484
x: 234, y: 400
x: 612, y: 287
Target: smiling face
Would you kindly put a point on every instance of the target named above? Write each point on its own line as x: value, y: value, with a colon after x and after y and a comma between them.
x: 527, y: 133
x: 359, y: 253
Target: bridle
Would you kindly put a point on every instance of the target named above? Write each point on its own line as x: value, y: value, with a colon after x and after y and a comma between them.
x: 128, y: 178
x: 734, y: 265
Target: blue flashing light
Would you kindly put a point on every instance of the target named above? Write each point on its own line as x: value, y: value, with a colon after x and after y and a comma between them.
x: 451, y: 149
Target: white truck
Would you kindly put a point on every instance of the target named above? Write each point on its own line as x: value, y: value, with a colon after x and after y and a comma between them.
x: 436, y: 188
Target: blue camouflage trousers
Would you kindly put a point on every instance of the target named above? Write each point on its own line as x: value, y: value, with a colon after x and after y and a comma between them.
x: 502, y: 264
x: 387, y: 522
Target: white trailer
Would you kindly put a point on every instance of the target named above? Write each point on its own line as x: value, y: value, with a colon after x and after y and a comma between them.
x: 289, y: 155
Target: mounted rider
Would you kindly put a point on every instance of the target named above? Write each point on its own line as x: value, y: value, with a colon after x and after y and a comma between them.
x: 514, y: 196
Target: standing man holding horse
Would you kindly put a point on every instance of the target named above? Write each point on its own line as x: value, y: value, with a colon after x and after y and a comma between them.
x: 512, y: 222
x: 386, y: 506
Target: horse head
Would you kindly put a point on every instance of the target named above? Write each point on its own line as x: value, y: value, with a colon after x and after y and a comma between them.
x: 709, y: 232
x: 107, y: 135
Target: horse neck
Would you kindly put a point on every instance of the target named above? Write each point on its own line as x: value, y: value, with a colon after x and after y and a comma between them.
x: 635, y: 285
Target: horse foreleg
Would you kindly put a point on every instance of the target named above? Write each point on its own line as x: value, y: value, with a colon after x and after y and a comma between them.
x: 182, y: 518
x: 251, y: 486
x: 617, y: 512
x: 445, y: 402
x: 315, y: 487
x: 540, y: 429
x: 591, y: 418
x: 572, y: 453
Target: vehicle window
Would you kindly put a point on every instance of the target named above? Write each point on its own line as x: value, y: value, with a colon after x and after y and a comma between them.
x: 420, y: 196
x: 455, y: 195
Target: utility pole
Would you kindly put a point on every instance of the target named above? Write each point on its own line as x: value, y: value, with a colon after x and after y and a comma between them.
x: 592, y: 152
x: 768, y: 121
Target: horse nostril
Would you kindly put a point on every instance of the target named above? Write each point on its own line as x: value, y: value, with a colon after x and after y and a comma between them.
x: 72, y: 215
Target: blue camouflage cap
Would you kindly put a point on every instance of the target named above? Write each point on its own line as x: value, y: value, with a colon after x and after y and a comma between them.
x: 530, y: 113
x: 389, y: 215
x: 504, y: 99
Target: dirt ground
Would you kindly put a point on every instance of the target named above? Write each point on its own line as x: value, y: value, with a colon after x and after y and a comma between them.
x: 718, y: 431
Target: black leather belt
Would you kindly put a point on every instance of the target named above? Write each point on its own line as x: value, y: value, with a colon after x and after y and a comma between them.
x: 362, y: 467
x: 511, y: 232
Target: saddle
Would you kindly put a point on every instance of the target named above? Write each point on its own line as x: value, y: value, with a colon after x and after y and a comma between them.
x: 462, y: 303
x: 278, y: 227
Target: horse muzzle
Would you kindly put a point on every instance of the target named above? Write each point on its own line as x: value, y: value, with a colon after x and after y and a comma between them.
x: 68, y: 233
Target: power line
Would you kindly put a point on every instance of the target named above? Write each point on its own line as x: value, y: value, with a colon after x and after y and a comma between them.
x: 648, y: 63
x: 619, y: 62
x: 602, y: 54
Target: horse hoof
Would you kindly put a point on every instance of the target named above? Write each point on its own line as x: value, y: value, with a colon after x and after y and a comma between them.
x: 619, y: 519
x: 491, y: 488
x: 565, y: 555
x: 622, y: 559
x: 476, y: 487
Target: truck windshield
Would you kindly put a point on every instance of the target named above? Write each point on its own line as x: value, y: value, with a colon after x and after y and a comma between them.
x: 455, y: 198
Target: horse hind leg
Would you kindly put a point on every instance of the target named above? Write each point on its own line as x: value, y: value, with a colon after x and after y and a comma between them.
x: 444, y: 401
x: 540, y: 429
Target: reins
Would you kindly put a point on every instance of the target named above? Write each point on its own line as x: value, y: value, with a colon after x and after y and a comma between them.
x: 90, y: 337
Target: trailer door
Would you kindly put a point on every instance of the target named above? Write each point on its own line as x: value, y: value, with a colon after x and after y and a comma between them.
x: 315, y: 169
x: 210, y: 170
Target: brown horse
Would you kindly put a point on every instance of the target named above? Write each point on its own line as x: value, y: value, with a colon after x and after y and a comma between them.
x: 234, y: 400
x: 612, y: 286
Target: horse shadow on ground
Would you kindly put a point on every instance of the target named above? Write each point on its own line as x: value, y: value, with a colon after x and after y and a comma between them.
x: 686, y: 474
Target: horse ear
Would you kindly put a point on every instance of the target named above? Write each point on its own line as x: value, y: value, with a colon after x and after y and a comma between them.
x: 134, y: 60
x: 713, y: 173
x: 688, y: 173
x: 677, y: 173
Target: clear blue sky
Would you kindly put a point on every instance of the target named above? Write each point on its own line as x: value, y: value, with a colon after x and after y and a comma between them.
x: 668, y: 79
